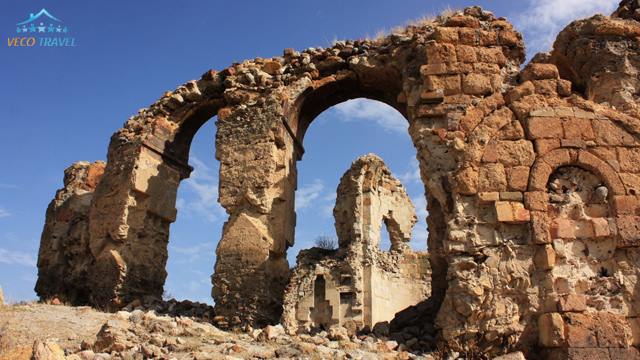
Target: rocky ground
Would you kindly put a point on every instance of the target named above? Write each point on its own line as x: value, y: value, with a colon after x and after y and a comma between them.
x: 42, y: 331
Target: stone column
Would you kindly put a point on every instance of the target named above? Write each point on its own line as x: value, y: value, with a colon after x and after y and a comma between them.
x: 257, y: 184
x: 129, y: 223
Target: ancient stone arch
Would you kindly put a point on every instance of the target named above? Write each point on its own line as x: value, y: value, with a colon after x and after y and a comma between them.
x: 488, y: 136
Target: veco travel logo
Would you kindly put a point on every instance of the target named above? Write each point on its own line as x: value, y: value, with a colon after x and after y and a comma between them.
x: 42, y: 30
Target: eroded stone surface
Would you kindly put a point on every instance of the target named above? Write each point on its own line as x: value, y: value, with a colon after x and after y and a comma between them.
x: 64, y: 260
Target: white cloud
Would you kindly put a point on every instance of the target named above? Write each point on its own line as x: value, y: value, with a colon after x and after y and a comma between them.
x: 17, y: 258
x: 4, y: 212
x: 369, y: 110
x: 420, y: 202
x: 201, y: 193
x: 195, y: 252
x: 544, y: 19
x: 412, y: 175
x: 309, y: 193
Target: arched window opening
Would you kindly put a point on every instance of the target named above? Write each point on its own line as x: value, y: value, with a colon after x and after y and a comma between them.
x: 582, y: 257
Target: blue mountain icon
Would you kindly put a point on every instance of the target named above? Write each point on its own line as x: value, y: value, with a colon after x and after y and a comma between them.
x: 36, y: 16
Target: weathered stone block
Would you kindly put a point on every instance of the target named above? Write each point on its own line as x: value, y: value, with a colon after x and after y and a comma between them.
x: 580, y: 330
x: 492, y: 177
x: 536, y: 200
x: 551, y: 330
x: 511, y: 212
x: 540, y: 227
x: 545, y: 257
x: 446, y: 35
x: 601, y: 227
x: 464, y: 21
x: 583, y: 229
x: 441, y: 53
x: 434, y: 69
x: 572, y: 303
x: 626, y: 204
x: 575, y: 128
x: 510, y: 153
x: 630, y: 353
x: 467, y: 181
x: 476, y: 84
x: 492, y: 55
x: 511, y: 196
x: 488, y: 197
x: 563, y: 229
x: 613, y: 331
x: 535, y: 71
x: 518, y: 178
x: 544, y: 127
x: 573, y: 143
x: 544, y: 146
x: 466, y: 53
x: 628, y: 231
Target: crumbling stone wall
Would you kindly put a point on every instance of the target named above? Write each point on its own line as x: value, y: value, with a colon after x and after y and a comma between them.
x: 600, y: 56
x: 64, y: 259
x: 359, y: 284
x: 488, y: 138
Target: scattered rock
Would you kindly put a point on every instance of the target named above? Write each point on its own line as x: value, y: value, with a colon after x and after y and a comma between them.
x: 511, y: 356
x: 271, y: 332
x: 338, y: 333
x: 47, y: 350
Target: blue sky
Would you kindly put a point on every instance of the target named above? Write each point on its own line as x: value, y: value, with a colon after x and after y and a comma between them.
x: 60, y: 105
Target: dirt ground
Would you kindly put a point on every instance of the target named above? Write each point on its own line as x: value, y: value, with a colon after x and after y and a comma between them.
x: 22, y: 325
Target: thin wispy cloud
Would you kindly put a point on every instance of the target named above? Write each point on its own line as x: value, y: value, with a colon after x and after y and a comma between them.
x: 374, y: 111
x: 412, y: 175
x: 308, y: 194
x: 5, y: 186
x: 420, y: 203
x: 200, y: 197
x: 21, y: 258
x: 4, y: 212
x: 196, y: 252
x: 542, y: 20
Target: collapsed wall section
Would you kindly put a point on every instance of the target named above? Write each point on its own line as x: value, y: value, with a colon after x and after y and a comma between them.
x: 359, y: 285
x: 64, y: 258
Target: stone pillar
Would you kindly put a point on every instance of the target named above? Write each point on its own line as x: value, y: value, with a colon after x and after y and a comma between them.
x: 130, y: 218
x: 257, y: 184
x: 64, y: 259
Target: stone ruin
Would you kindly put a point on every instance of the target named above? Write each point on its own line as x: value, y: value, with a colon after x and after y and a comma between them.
x: 359, y: 285
x: 531, y: 177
